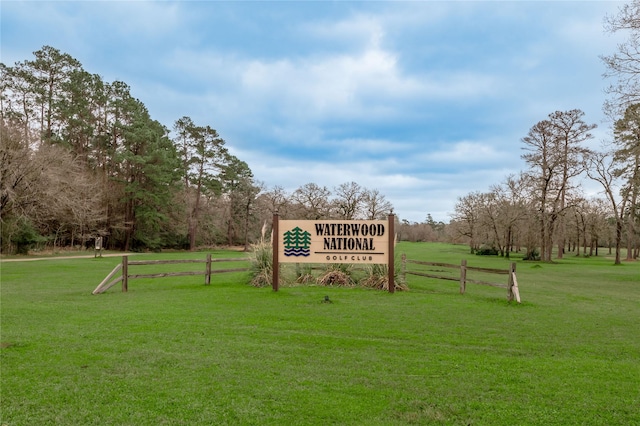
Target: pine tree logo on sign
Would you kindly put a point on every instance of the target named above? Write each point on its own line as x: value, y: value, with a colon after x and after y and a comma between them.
x: 297, y: 242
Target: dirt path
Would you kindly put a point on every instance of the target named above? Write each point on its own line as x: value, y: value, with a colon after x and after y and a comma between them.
x: 88, y: 256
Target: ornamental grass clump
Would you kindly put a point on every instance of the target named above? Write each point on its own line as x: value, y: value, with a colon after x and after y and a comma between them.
x: 377, y: 277
x: 262, y: 261
x: 304, y: 273
x: 337, y: 275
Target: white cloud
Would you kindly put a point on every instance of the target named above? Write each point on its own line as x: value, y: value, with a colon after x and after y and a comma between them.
x: 425, y: 101
x: 350, y: 147
x: 466, y: 153
x: 360, y: 29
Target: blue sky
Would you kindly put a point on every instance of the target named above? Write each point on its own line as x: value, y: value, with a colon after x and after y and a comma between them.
x: 425, y: 101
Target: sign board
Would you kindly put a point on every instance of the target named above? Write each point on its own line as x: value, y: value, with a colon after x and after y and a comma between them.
x: 333, y: 241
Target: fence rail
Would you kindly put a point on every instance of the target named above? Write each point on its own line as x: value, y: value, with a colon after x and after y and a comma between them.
x: 511, y: 286
x: 109, y: 281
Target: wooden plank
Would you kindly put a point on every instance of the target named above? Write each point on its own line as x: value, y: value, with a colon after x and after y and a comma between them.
x: 440, y: 277
x: 100, y: 288
x: 219, y: 271
x: 232, y: 259
x: 457, y: 279
x: 515, y: 289
x: 444, y: 265
x: 166, y: 274
x: 176, y: 261
x: 165, y: 262
x: 488, y: 270
x: 186, y: 273
x: 487, y: 283
x: 111, y: 284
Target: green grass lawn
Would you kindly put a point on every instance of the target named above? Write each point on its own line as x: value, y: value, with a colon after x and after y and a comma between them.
x: 172, y: 351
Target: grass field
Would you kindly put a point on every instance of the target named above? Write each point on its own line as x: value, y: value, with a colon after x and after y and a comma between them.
x: 172, y: 351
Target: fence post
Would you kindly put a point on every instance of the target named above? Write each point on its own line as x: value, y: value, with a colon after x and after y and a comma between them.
x: 403, y: 268
x: 463, y: 276
x: 512, y: 271
x: 514, y: 289
x: 125, y: 273
x: 207, y: 272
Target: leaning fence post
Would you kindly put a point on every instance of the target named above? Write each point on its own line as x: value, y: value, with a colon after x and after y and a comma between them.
x: 516, y: 291
x: 207, y: 274
x: 125, y: 274
x: 463, y: 276
x: 512, y: 271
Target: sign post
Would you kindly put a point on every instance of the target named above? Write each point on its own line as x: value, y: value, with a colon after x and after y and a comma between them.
x: 274, y: 241
x: 390, y: 262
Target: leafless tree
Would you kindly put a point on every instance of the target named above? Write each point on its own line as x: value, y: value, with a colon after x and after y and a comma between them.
x: 624, y: 65
x: 21, y: 178
x: 467, y: 218
x: 375, y: 205
x: 627, y: 159
x: 71, y: 204
x: 313, y: 201
x: 348, y: 201
x: 602, y: 169
x: 555, y: 156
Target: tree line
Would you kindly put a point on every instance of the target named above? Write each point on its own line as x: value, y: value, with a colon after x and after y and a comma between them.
x: 82, y: 158
x: 544, y: 206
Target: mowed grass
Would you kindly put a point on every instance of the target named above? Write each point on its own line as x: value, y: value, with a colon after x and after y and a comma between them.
x: 172, y: 351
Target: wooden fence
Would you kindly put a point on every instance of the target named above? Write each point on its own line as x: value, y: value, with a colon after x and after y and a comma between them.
x: 511, y: 285
x: 124, y: 271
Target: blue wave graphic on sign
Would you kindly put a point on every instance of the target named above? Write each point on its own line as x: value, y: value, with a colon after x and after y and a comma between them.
x: 297, y: 252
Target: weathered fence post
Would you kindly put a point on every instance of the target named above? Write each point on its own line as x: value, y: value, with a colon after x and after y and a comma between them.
x: 463, y: 276
x: 207, y: 273
x: 403, y: 268
x: 514, y: 289
x: 125, y: 273
x: 512, y: 272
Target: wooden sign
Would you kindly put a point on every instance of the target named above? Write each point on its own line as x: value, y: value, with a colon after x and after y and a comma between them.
x: 330, y: 241
x: 333, y: 241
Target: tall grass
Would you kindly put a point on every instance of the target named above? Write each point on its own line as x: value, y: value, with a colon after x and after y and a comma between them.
x: 262, y: 260
x: 173, y: 351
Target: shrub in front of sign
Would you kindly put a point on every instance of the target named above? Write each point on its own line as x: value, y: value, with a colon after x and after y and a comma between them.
x: 262, y: 262
x: 304, y: 273
x: 337, y: 275
x: 377, y: 277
